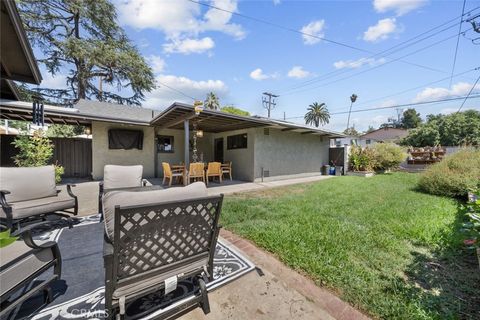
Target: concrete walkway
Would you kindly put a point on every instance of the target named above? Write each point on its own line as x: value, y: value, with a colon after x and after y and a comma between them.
x: 280, y: 294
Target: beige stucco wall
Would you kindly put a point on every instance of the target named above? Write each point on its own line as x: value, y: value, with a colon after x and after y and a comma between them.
x: 287, y: 152
x: 242, y: 159
x: 101, y: 155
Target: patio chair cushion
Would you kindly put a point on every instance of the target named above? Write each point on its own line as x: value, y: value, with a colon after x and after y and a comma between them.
x: 19, y: 262
x: 24, y: 209
x: 131, y: 198
x: 158, y: 280
x: 27, y: 183
x: 122, y: 176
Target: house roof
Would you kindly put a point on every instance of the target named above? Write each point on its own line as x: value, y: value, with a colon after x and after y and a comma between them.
x: 17, y: 61
x: 386, y: 134
x: 84, y: 112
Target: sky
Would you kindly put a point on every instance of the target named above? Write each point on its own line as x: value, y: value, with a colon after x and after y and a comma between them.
x: 305, y: 52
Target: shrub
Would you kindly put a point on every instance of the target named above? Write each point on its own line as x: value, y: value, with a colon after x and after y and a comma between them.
x: 388, y: 156
x: 35, y: 151
x: 362, y: 159
x: 454, y: 176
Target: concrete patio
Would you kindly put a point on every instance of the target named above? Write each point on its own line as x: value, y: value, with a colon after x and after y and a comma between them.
x: 275, y: 292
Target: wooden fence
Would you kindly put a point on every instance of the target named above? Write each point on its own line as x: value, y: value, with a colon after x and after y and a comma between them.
x: 74, y: 154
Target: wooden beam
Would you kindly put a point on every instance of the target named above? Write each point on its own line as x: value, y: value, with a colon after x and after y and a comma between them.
x: 288, y: 129
x: 308, y: 132
x: 176, y: 121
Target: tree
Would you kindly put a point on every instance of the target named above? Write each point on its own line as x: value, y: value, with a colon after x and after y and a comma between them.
x: 83, y: 38
x: 370, y: 129
x: 317, y: 114
x: 64, y: 131
x: 211, y: 102
x: 456, y: 129
x: 411, y: 119
x: 351, y: 132
x: 236, y: 111
x: 35, y: 151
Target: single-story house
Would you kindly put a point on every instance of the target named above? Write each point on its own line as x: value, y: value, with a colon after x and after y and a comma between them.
x: 382, y: 135
x: 258, y: 147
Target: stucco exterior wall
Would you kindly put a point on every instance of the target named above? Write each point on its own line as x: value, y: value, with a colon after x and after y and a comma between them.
x: 243, y: 161
x: 287, y: 152
x: 102, y: 156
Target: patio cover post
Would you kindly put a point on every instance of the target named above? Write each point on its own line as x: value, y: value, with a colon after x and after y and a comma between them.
x: 186, y: 129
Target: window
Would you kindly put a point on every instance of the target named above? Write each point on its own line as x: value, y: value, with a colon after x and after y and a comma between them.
x: 368, y: 141
x: 238, y: 141
x: 165, y: 144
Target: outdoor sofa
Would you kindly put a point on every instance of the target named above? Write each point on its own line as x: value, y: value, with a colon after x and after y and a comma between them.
x: 155, y: 238
x: 30, y: 193
x: 21, y: 264
x: 119, y: 177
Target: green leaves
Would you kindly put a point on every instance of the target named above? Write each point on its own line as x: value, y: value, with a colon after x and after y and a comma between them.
x: 317, y: 114
x: 6, y: 239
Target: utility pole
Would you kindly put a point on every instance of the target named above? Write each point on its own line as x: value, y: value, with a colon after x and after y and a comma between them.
x: 269, y: 101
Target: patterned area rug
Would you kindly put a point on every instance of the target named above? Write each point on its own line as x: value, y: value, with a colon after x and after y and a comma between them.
x: 80, y: 292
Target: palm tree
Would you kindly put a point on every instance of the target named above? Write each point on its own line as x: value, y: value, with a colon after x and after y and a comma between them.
x: 212, y: 102
x: 317, y: 114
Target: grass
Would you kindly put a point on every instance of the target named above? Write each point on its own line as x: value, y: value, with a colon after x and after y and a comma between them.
x: 378, y: 243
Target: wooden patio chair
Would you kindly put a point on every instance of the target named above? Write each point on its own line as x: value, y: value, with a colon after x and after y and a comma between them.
x: 157, y: 238
x: 227, y: 169
x: 196, y: 171
x: 170, y: 174
x: 23, y: 264
x: 214, y: 170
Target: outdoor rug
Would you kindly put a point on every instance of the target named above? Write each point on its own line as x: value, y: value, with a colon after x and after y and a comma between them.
x: 80, y: 292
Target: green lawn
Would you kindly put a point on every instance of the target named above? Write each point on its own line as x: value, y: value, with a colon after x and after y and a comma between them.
x: 377, y: 242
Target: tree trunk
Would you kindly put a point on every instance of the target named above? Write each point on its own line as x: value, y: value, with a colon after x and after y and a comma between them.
x: 80, y: 64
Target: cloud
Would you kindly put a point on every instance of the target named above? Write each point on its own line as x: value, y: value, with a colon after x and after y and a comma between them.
x: 313, y: 31
x: 59, y: 81
x: 381, y: 30
x: 188, y: 46
x: 276, y: 2
x: 179, y: 18
x: 298, y: 72
x: 258, y: 75
x: 400, y: 7
x: 157, y: 63
x: 458, y: 89
x: 162, y: 96
x: 354, y: 64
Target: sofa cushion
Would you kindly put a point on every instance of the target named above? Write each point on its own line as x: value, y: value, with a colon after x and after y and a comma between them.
x: 27, y: 183
x: 122, y: 176
x: 132, y: 198
x: 24, y: 209
x: 19, y: 262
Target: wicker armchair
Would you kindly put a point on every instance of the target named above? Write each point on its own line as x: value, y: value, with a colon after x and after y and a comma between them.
x: 227, y: 169
x: 214, y: 170
x: 170, y: 174
x: 155, y: 237
x: 196, y: 171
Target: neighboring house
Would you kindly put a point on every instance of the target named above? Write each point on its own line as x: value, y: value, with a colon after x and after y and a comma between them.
x: 383, y: 135
x: 258, y: 147
x: 380, y: 135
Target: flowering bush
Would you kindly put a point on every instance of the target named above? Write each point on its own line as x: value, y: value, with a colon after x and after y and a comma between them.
x: 362, y: 159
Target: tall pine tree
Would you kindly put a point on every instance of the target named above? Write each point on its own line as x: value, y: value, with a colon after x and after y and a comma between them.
x: 83, y: 38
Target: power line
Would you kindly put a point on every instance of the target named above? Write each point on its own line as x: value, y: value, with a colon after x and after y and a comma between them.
x: 402, y: 105
x: 372, y: 68
x: 468, y: 95
x: 458, y: 41
x: 176, y: 90
x: 382, y: 53
x: 293, y: 30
